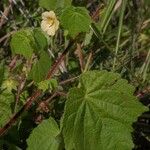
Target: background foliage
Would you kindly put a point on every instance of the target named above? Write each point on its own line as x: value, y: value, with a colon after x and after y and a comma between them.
x: 81, y: 89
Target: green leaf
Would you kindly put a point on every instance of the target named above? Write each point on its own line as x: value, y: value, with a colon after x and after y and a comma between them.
x: 41, y: 39
x: 48, y: 84
x: 54, y: 4
x: 99, y: 114
x: 40, y: 68
x: 48, y: 4
x: 75, y: 20
x: 9, y: 84
x: 45, y: 136
x: 6, y: 99
x: 64, y: 3
x: 23, y: 43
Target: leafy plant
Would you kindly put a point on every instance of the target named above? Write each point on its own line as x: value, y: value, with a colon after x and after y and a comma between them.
x: 72, y: 73
x: 99, y: 114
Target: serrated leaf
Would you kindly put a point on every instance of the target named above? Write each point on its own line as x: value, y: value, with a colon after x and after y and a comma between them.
x: 40, y: 68
x: 100, y: 113
x: 75, y: 20
x: 40, y: 39
x: 23, y: 43
x: 45, y: 136
x: 6, y: 100
x: 48, y: 84
x: 54, y: 4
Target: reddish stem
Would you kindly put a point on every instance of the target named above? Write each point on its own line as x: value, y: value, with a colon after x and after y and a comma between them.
x: 36, y: 94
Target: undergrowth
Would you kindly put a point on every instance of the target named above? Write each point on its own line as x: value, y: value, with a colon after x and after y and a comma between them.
x: 74, y: 75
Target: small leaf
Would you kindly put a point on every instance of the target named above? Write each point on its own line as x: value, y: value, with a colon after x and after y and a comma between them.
x: 40, y: 69
x: 6, y: 99
x: 23, y: 43
x: 54, y: 4
x: 75, y: 20
x: 9, y: 84
x: 40, y: 39
x: 100, y: 113
x: 48, y: 84
x: 45, y: 136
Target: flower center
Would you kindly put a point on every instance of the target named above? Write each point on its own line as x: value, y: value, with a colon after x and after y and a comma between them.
x: 50, y: 21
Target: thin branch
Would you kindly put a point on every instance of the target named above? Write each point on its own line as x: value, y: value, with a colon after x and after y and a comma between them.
x: 88, y: 62
x: 68, y: 80
x: 36, y: 94
x: 58, y: 61
x: 79, y: 54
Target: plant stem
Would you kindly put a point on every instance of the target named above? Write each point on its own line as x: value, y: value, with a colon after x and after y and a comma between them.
x: 123, y: 6
x: 88, y: 62
x: 36, y: 94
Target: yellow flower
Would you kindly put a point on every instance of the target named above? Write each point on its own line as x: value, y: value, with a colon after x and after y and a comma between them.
x: 49, y: 24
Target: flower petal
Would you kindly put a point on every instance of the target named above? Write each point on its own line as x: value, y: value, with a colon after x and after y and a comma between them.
x: 44, y: 25
x: 52, y: 14
x: 48, y: 14
x: 45, y: 15
x: 56, y: 24
x: 51, y: 31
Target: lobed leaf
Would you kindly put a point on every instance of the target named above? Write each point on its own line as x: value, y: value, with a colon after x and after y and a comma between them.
x: 99, y: 114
